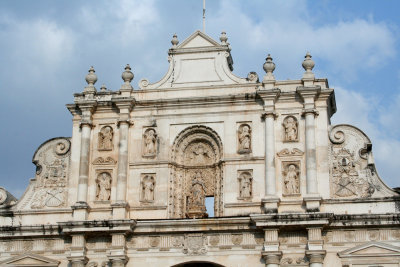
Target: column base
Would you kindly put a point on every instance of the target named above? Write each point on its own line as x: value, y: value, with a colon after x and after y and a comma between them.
x: 80, y: 211
x: 313, y: 203
x: 120, y: 210
x: 270, y: 204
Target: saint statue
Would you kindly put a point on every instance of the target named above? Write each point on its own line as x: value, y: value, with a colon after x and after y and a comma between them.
x: 290, y: 125
x: 148, y: 188
x: 245, y: 186
x: 245, y: 139
x: 150, y: 141
x: 103, y: 186
x: 105, y: 138
x: 291, y: 180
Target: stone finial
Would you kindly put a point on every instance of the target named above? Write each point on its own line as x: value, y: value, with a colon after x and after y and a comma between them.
x: 269, y: 67
x: 174, y: 41
x: 223, y: 38
x: 91, y: 79
x: 103, y: 88
x: 127, y: 76
x: 308, y: 64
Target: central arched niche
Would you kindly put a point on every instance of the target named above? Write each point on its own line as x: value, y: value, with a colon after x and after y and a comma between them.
x: 196, y: 173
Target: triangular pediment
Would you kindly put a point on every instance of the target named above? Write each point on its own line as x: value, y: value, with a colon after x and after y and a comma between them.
x: 371, y: 249
x: 198, y: 39
x: 29, y: 260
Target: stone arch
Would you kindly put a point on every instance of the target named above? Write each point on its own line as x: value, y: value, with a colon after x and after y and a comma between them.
x: 196, y: 158
x: 198, y: 264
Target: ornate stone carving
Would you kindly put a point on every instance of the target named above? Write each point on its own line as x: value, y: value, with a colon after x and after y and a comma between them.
x: 150, y: 143
x: 198, y: 172
x: 106, y: 138
x: 147, y: 187
x: 104, y: 161
x: 290, y: 126
x: 195, y: 244
x: 237, y: 239
x: 346, y: 181
x: 177, y: 241
x: 373, y: 235
x: 291, y: 178
x: 214, y: 240
x: 52, y: 162
x: 103, y: 186
x: 154, y: 241
x: 286, y: 153
x: 245, y: 184
x: 92, y: 264
x: 244, y: 139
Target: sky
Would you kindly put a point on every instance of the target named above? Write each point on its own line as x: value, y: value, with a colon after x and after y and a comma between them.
x: 47, y: 47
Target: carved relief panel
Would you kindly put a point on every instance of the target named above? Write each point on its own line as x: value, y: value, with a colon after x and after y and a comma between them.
x: 52, y: 161
x: 291, y: 177
x: 147, y: 185
x: 244, y: 138
x: 245, y: 181
x: 149, y: 143
x: 105, y: 138
x: 290, y: 129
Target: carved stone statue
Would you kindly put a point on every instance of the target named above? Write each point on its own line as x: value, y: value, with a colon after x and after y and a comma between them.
x: 291, y: 180
x: 106, y: 138
x: 245, y: 182
x: 244, y: 137
x: 103, y: 186
x: 148, y: 185
x: 291, y: 128
x: 197, y: 197
x: 150, y: 142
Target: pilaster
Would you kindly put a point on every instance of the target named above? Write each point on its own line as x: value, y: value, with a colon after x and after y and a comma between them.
x: 77, y: 255
x: 315, y: 251
x: 271, y: 253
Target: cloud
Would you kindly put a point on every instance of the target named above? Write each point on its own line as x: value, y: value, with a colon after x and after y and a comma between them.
x: 288, y: 31
x: 360, y: 111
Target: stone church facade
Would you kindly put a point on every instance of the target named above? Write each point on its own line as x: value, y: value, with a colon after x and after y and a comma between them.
x: 129, y: 187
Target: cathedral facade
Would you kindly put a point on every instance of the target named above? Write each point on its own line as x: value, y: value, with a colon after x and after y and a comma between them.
x: 283, y: 186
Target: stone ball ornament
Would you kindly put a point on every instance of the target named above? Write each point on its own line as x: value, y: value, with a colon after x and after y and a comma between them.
x: 223, y: 38
x: 127, y: 75
x: 174, y: 41
x: 308, y: 64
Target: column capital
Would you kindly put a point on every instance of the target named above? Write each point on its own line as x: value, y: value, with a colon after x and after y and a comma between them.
x: 124, y: 104
x: 310, y: 110
x: 118, y: 260
x: 272, y: 257
x: 316, y: 256
x: 308, y: 93
x: 124, y: 121
x: 271, y: 113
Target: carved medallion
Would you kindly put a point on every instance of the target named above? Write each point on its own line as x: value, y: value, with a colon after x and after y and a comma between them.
x: 195, y: 244
x: 237, y: 239
x: 214, y: 240
x: 154, y: 241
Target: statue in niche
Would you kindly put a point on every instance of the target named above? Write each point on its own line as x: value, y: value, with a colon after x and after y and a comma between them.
x: 245, y: 182
x: 244, y: 137
x: 103, y: 186
x: 291, y: 131
x: 196, y: 199
x: 106, y: 138
x: 291, y: 179
x: 150, y: 142
x: 148, y: 185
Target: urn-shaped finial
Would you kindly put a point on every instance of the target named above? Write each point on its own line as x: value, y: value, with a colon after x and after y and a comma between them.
x: 223, y: 38
x: 91, y: 79
x: 174, y: 41
x: 127, y: 76
x: 269, y: 65
x: 308, y: 63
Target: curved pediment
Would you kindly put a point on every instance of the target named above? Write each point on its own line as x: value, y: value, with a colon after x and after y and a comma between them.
x: 199, y: 61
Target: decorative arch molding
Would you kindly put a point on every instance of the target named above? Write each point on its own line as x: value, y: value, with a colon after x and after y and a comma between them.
x: 198, y: 264
x: 196, y: 158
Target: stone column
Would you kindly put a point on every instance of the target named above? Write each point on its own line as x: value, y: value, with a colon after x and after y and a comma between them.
x: 80, y: 207
x: 315, y: 252
x: 124, y: 103
x: 77, y: 255
x: 117, y: 253
x: 309, y: 95
x: 270, y: 201
x: 271, y: 253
